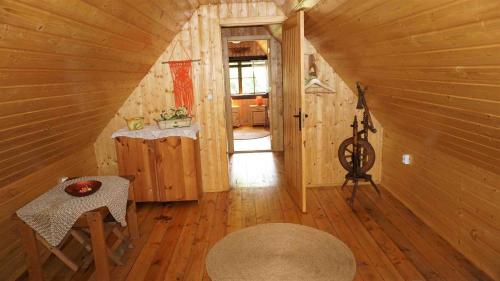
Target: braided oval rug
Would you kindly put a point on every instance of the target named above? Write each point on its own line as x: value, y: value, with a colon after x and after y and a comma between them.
x: 280, y: 251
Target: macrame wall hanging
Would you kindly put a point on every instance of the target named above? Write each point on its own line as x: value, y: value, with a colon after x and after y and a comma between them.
x: 182, y: 79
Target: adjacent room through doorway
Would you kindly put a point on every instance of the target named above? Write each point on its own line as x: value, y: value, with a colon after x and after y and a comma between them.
x: 252, y: 58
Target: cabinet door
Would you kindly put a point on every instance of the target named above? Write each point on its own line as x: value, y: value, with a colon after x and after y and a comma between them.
x: 136, y: 157
x: 258, y: 117
x: 176, y: 169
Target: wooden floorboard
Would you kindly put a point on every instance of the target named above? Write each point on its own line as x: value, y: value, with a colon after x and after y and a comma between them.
x: 388, y: 240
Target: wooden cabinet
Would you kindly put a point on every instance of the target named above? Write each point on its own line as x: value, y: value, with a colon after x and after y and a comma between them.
x: 259, y: 115
x: 166, y: 169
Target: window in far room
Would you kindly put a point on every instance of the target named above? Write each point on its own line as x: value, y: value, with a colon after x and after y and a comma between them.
x: 248, y: 77
x: 248, y: 67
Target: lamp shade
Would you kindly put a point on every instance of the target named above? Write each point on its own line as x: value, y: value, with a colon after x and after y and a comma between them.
x: 259, y: 100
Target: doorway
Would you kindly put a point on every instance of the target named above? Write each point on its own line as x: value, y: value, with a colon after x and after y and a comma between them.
x: 252, y: 62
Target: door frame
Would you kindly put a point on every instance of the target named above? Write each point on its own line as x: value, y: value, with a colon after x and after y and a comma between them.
x: 227, y: 88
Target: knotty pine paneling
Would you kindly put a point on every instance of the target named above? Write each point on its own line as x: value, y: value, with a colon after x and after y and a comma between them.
x: 200, y: 38
x: 327, y: 126
x: 329, y: 123
x: 71, y: 64
x: 432, y: 71
x: 67, y: 66
x: 246, y: 49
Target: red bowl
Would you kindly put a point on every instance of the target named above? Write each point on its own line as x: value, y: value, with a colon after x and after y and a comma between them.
x: 83, y: 188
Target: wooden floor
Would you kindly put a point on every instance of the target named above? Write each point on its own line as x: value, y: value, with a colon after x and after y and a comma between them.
x: 388, y: 241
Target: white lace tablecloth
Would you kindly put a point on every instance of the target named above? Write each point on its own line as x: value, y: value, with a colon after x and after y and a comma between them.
x: 53, y: 213
x: 153, y: 132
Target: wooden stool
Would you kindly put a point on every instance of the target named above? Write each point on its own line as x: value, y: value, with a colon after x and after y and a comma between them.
x: 81, y: 233
x: 91, y: 231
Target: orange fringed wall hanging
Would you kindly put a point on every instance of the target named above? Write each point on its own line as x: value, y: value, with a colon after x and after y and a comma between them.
x: 183, y: 84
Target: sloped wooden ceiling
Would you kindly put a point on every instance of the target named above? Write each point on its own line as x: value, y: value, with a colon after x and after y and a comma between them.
x: 67, y: 66
x: 432, y: 68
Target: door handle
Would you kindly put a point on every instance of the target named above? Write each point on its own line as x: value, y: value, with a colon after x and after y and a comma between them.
x: 300, y: 116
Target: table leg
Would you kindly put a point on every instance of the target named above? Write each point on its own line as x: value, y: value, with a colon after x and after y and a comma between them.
x: 98, y: 239
x: 33, y: 259
x: 133, y: 227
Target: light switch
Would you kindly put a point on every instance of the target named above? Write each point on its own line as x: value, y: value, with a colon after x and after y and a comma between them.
x: 406, y: 159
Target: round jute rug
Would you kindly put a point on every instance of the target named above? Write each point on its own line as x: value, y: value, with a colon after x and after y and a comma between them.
x: 280, y: 252
x: 248, y: 133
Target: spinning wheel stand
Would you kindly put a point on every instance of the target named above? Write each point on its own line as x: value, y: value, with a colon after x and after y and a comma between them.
x: 356, y: 154
x: 355, y: 180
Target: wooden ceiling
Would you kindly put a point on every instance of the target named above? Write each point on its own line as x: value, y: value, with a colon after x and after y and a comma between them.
x: 432, y: 67
x: 257, y: 48
x: 67, y: 66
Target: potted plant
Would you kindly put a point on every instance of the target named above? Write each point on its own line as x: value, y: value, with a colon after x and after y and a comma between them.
x: 175, y: 117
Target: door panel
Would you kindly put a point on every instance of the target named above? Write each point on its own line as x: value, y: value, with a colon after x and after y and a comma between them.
x: 293, y: 101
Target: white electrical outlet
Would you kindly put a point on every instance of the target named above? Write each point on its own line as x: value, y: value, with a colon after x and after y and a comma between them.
x: 406, y: 159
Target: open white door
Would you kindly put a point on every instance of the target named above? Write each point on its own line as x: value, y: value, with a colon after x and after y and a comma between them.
x: 293, y: 102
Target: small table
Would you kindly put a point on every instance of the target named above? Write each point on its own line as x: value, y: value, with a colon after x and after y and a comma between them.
x: 94, y: 220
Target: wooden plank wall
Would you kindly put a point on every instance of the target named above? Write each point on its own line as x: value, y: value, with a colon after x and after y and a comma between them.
x: 432, y: 68
x: 66, y: 67
x: 328, y: 124
x: 200, y: 38
x: 18, y: 193
x: 330, y: 119
x: 246, y: 49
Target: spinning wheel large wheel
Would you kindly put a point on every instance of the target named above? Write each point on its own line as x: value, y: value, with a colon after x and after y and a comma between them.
x: 366, y: 151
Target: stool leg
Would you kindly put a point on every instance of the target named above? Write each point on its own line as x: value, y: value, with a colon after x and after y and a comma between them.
x: 133, y: 227
x: 28, y: 240
x: 82, y: 239
x: 99, y: 247
x: 60, y: 255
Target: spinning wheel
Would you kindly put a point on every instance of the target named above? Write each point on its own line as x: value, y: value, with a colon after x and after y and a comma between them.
x: 356, y: 154
x: 366, y: 152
